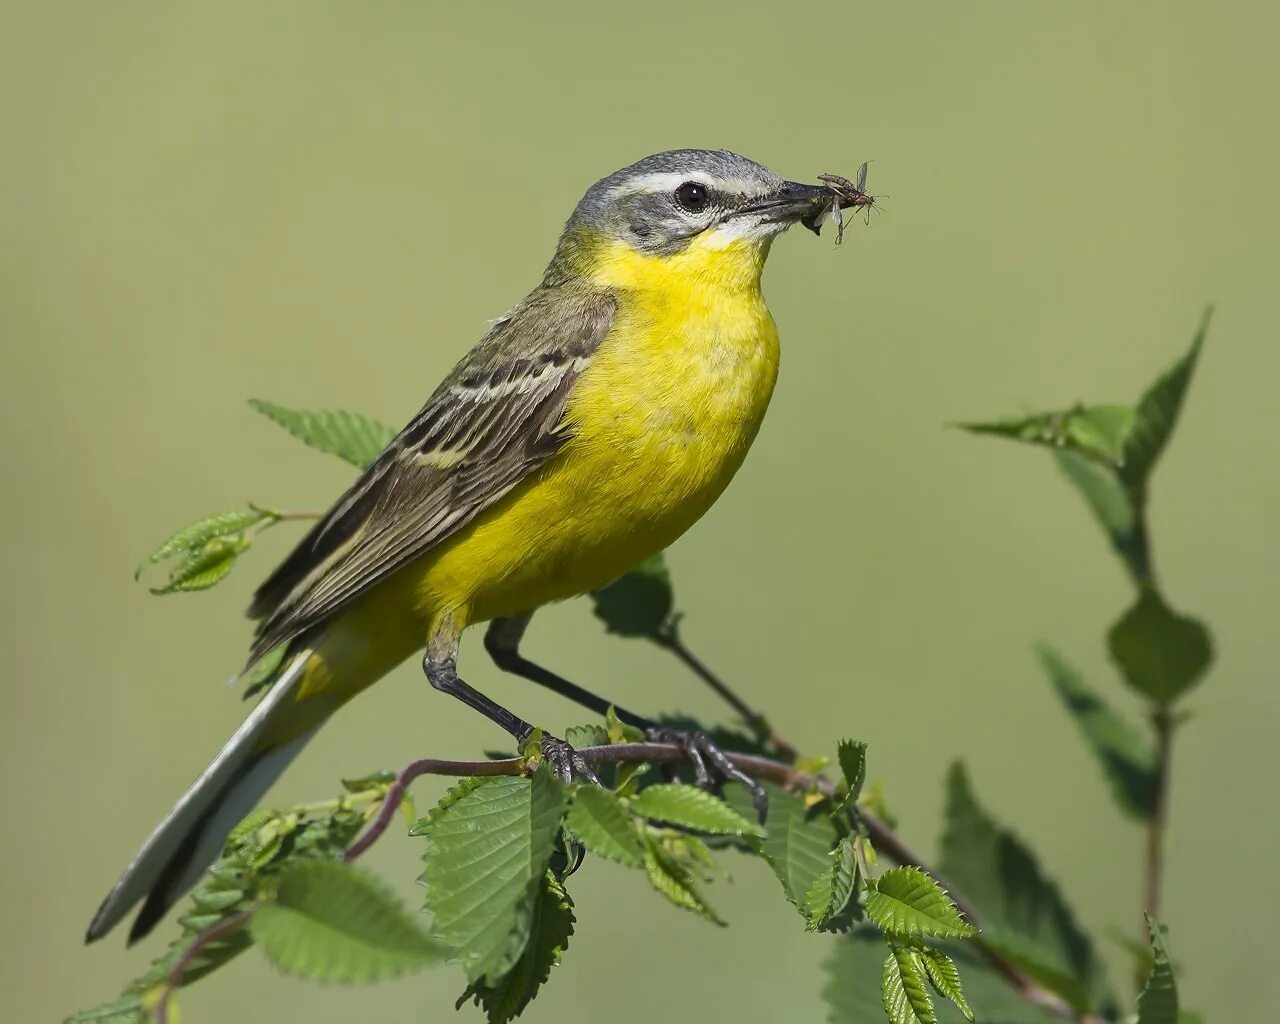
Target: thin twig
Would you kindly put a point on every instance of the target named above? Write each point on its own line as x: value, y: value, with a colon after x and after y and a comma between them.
x: 174, y: 978
x: 884, y: 837
x: 427, y: 766
x: 1162, y: 722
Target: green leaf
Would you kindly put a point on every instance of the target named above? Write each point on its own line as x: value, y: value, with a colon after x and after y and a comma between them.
x: 579, y: 736
x: 854, y: 968
x: 619, y: 731
x: 1096, y: 432
x: 902, y: 989
x: 604, y: 826
x: 452, y: 795
x: 334, y: 922
x: 257, y: 850
x: 126, y: 1010
x: 552, y: 924
x: 204, y: 567
x: 905, y: 902
x: 832, y: 890
x: 852, y: 755
x: 348, y: 435
x: 1127, y: 758
x: 1105, y: 494
x: 1040, y: 964
x: 195, y: 537
x: 1157, y: 413
x: 996, y: 872
x: 797, y: 840
x: 945, y: 977
x: 639, y: 603
x: 1160, y: 653
x: 673, y: 876
x: 487, y: 853
x: 693, y: 808
x: 263, y: 671
x: 1158, y: 1003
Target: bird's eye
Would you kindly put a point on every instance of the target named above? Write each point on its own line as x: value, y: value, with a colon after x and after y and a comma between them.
x: 693, y: 196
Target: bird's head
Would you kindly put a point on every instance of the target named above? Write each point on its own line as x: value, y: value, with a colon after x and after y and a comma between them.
x: 687, y: 210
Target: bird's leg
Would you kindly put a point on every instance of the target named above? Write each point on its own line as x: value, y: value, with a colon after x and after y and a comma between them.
x: 668, y: 638
x: 440, y: 667
x: 502, y: 641
x: 699, y: 748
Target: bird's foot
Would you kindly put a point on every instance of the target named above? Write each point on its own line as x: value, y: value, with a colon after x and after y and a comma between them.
x: 709, y: 761
x: 566, y: 762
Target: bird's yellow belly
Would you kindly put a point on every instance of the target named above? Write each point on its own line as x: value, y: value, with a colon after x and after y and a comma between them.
x: 661, y: 420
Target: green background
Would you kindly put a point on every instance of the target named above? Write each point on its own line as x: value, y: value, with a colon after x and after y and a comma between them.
x: 321, y: 204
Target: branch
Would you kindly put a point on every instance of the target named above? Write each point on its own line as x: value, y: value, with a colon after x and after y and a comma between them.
x: 1162, y: 722
x: 212, y: 934
x: 884, y: 837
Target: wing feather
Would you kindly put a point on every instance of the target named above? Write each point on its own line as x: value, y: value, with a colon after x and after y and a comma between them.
x: 493, y: 420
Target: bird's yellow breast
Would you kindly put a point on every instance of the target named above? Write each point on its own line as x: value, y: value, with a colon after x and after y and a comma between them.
x: 660, y: 421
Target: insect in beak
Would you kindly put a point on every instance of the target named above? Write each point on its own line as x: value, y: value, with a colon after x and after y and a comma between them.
x: 843, y: 194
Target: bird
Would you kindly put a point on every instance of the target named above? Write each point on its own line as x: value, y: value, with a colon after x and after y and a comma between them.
x: 590, y: 427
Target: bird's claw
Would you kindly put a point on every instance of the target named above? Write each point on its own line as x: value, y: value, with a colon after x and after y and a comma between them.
x: 706, y: 756
x: 566, y: 762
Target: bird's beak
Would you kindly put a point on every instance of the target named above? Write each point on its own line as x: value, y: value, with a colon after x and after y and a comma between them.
x: 794, y: 203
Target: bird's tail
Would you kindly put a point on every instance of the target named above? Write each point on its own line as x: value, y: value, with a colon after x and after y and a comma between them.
x: 191, y: 835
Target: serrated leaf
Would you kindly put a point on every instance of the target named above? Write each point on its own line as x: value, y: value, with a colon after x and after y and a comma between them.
x: 204, y: 567
x: 348, y: 435
x: 1096, y: 432
x: 487, y: 853
x: 603, y: 824
x: 639, y: 603
x: 797, y: 839
x: 579, y: 736
x: 1158, y: 1003
x: 195, y: 536
x: 945, y: 978
x: 332, y: 921
x: 854, y: 969
x: 852, y: 755
x: 690, y: 807
x: 675, y: 880
x: 1157, y: 413
x: 1160, y: 653
x: 902, y: 989
x: 452, y: 795
x: 832, y: 890
x: 552, y: 924
x: 905, y: 902
x: 1127, y: 758
x: 1038, y: 963
x: 996, y: 871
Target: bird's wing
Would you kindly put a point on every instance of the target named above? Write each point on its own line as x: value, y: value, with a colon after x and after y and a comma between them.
x: 493, y: 420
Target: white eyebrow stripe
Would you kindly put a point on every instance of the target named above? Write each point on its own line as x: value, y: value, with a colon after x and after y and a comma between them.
x: 661, y: 181
x: 668, y: 181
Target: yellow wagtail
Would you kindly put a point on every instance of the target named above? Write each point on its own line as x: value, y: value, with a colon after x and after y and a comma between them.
x: 593, y: 425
